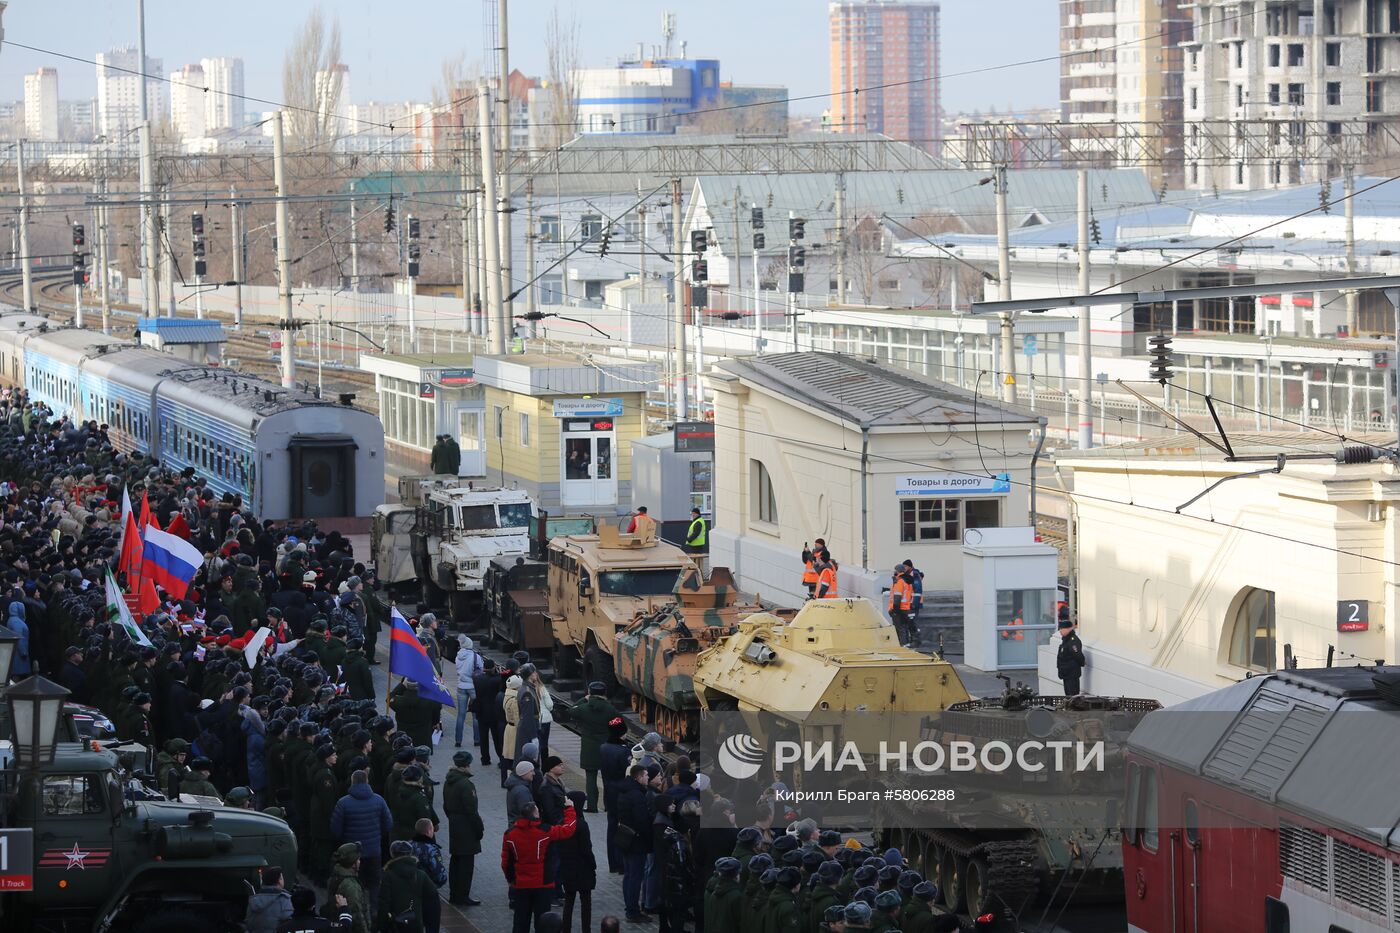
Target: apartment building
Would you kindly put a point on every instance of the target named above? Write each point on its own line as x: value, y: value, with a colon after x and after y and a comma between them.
x: 41, y: 104
x: 1120, y: 70
x: 1287, y: 93
x: 187, y: 105
x: 890, y: 50
x: 224, y: 104
x: 119, y: 84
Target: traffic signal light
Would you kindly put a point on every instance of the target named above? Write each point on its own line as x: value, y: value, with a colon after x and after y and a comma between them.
x: 796, y: 283
x: 797, y: 257
x: 200, y: 267
x: 699, y: 241
x: 699, y: 296
x: 389, y: 218
x: 759, y: 241
x: 415, y: 252
x: 412, y: 270
x: 757, y: 219
x: 198, y: 248
x: 700, y: 271
x: 197, y: 224
x: 797, y: 229
x: 1160, y: 349
x: 79, y: 260
x: 79, y: 235
x: 413, y: 228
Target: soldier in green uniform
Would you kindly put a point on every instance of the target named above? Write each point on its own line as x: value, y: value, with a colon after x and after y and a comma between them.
x: 299, y: 760
x: 197, y: 781
x: 724, y: 903
x: 918, y: 913
x: 410, y: 804
x: 376, y: 617
x: 359, y: 684
x: 414, y: 714
x: 381, y: 755
x: 334, y: 654
x: 345, y: 882
x: 886, y: 916
x: 858, y: 915
x: 170, y: 765
x: 784, y: 915
x: 864, y: 876
x: 591, y: 716
x: 822, y: 894
x: 325, y: 791
x: 403, y: 757
x: 275, y: 755
x: 749, y: 844
x: 764, y: 877
x: 464, y: 829
x: 908, y: 880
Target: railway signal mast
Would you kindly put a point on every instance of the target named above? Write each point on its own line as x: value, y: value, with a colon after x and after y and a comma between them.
x: 79, y: 272
x: 797, y: 264
x: 414, y: 254
x: 200, y: 267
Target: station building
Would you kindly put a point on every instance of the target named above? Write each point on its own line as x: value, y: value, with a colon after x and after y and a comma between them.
x: 881, y: 464
x: 424, y: 395
x: 1179, y: 599
x: 562, y: 428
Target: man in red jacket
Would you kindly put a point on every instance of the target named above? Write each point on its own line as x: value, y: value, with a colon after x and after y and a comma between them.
x: 523, y: 853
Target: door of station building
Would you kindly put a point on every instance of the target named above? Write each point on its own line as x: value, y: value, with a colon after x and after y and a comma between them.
x: 587, y: 476
x: 471, y: 438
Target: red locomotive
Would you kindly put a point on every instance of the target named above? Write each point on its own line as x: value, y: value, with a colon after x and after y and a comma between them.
x: 1271, y: 806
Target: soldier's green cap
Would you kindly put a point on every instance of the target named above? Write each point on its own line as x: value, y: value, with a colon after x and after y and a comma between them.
x: 347, y: 854
x: 463, y: 759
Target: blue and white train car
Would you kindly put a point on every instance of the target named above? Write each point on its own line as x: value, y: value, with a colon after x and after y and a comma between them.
x: 288, y: 453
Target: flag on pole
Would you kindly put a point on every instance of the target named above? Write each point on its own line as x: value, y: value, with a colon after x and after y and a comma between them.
x: 408, y: 658
x: 147, y: 599
x: 146, y: 517
x: 178, y: 526
x: 119, y: 614
x: 168, y: 560
x: 129, y: 554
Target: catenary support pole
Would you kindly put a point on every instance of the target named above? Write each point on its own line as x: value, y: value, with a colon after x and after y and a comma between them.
x: 840, y: 207
x: 678, y: 301
x: 26, y: 264
x: 150, y: 283
x: 168, y: 257
x: 494, y: 285
x: 530, y: 290
x: 284, y: 254
x: 1086, y: 360
x: 468, y: 273
x: 1352, y: 298
x: 1008, y: 336
x: 504, y: 243
x: 236, y: 237
x: 103, y: 295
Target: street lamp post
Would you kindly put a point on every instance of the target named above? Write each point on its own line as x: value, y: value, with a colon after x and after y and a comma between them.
x: 36, y: 708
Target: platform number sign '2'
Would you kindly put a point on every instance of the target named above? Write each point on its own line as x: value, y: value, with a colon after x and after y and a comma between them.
x: 1353, y: 615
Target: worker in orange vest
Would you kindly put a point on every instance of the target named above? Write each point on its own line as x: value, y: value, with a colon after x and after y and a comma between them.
x: 826, y: 580
x: 901, y: 605
x: 809, y: 570
x: 1017, y: 635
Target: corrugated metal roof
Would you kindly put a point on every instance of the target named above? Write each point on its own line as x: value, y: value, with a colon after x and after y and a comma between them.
x: 1034, y: 197
x: 863, y: 392
x: 1281, y: 737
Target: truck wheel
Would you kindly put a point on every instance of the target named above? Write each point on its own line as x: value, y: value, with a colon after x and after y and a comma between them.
x: 599, y: 666
x: 564, y: 658
x: 171, y: 921
x: 460, y: 603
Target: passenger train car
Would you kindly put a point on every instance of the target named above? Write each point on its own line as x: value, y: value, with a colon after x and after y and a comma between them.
x: 287, y: 452
x: 1267, y: 807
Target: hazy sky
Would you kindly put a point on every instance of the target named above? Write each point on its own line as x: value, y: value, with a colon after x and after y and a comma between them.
x: 395, y: 50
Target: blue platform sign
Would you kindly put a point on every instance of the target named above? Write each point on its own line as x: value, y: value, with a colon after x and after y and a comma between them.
x: 1030, y: 345
x: 952, y: 484
x: 587, y: 407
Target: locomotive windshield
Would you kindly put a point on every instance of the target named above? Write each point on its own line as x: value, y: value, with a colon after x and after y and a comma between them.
x: 638, y: 582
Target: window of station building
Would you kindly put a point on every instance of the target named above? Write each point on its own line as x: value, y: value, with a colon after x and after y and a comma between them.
x: 524, y: 429
x: 549, y: 228
x: 932, y: 518
x: 1252, y: 631
x: 1334, y: 93
x: 1295, y: 93
x: 1333, y: 51
x: 1274, y: 97
x: 1275, y: 54
x: 764, y: 499
x: 1295, y: 54
x: 590, y: 227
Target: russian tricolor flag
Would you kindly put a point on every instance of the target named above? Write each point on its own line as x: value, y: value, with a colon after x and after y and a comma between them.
x: 408, y: 658
x: 169, y: 560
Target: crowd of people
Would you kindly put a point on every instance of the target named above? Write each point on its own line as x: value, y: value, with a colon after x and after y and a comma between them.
x: 256, y: 689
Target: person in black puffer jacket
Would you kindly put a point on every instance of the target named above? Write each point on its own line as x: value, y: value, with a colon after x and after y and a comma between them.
x: 578, y: 869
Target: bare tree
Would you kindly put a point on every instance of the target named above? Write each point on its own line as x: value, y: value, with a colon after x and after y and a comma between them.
x: 313, y: 81
x: 561, y: 43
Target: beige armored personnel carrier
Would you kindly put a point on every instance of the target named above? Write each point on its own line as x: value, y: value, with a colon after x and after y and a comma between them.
x: 598, y: 584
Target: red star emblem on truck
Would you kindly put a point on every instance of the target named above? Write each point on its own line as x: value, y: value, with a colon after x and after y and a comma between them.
x: 76, y: 857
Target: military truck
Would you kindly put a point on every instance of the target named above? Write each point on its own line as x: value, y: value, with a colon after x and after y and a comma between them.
x: 517, y: 608
x: 391, y: 526
x: 457, y: 533
x: 598, y: 584
x: 106, y: 861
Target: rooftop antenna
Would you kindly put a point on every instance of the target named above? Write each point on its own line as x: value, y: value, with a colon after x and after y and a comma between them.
x: 668, y: 29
